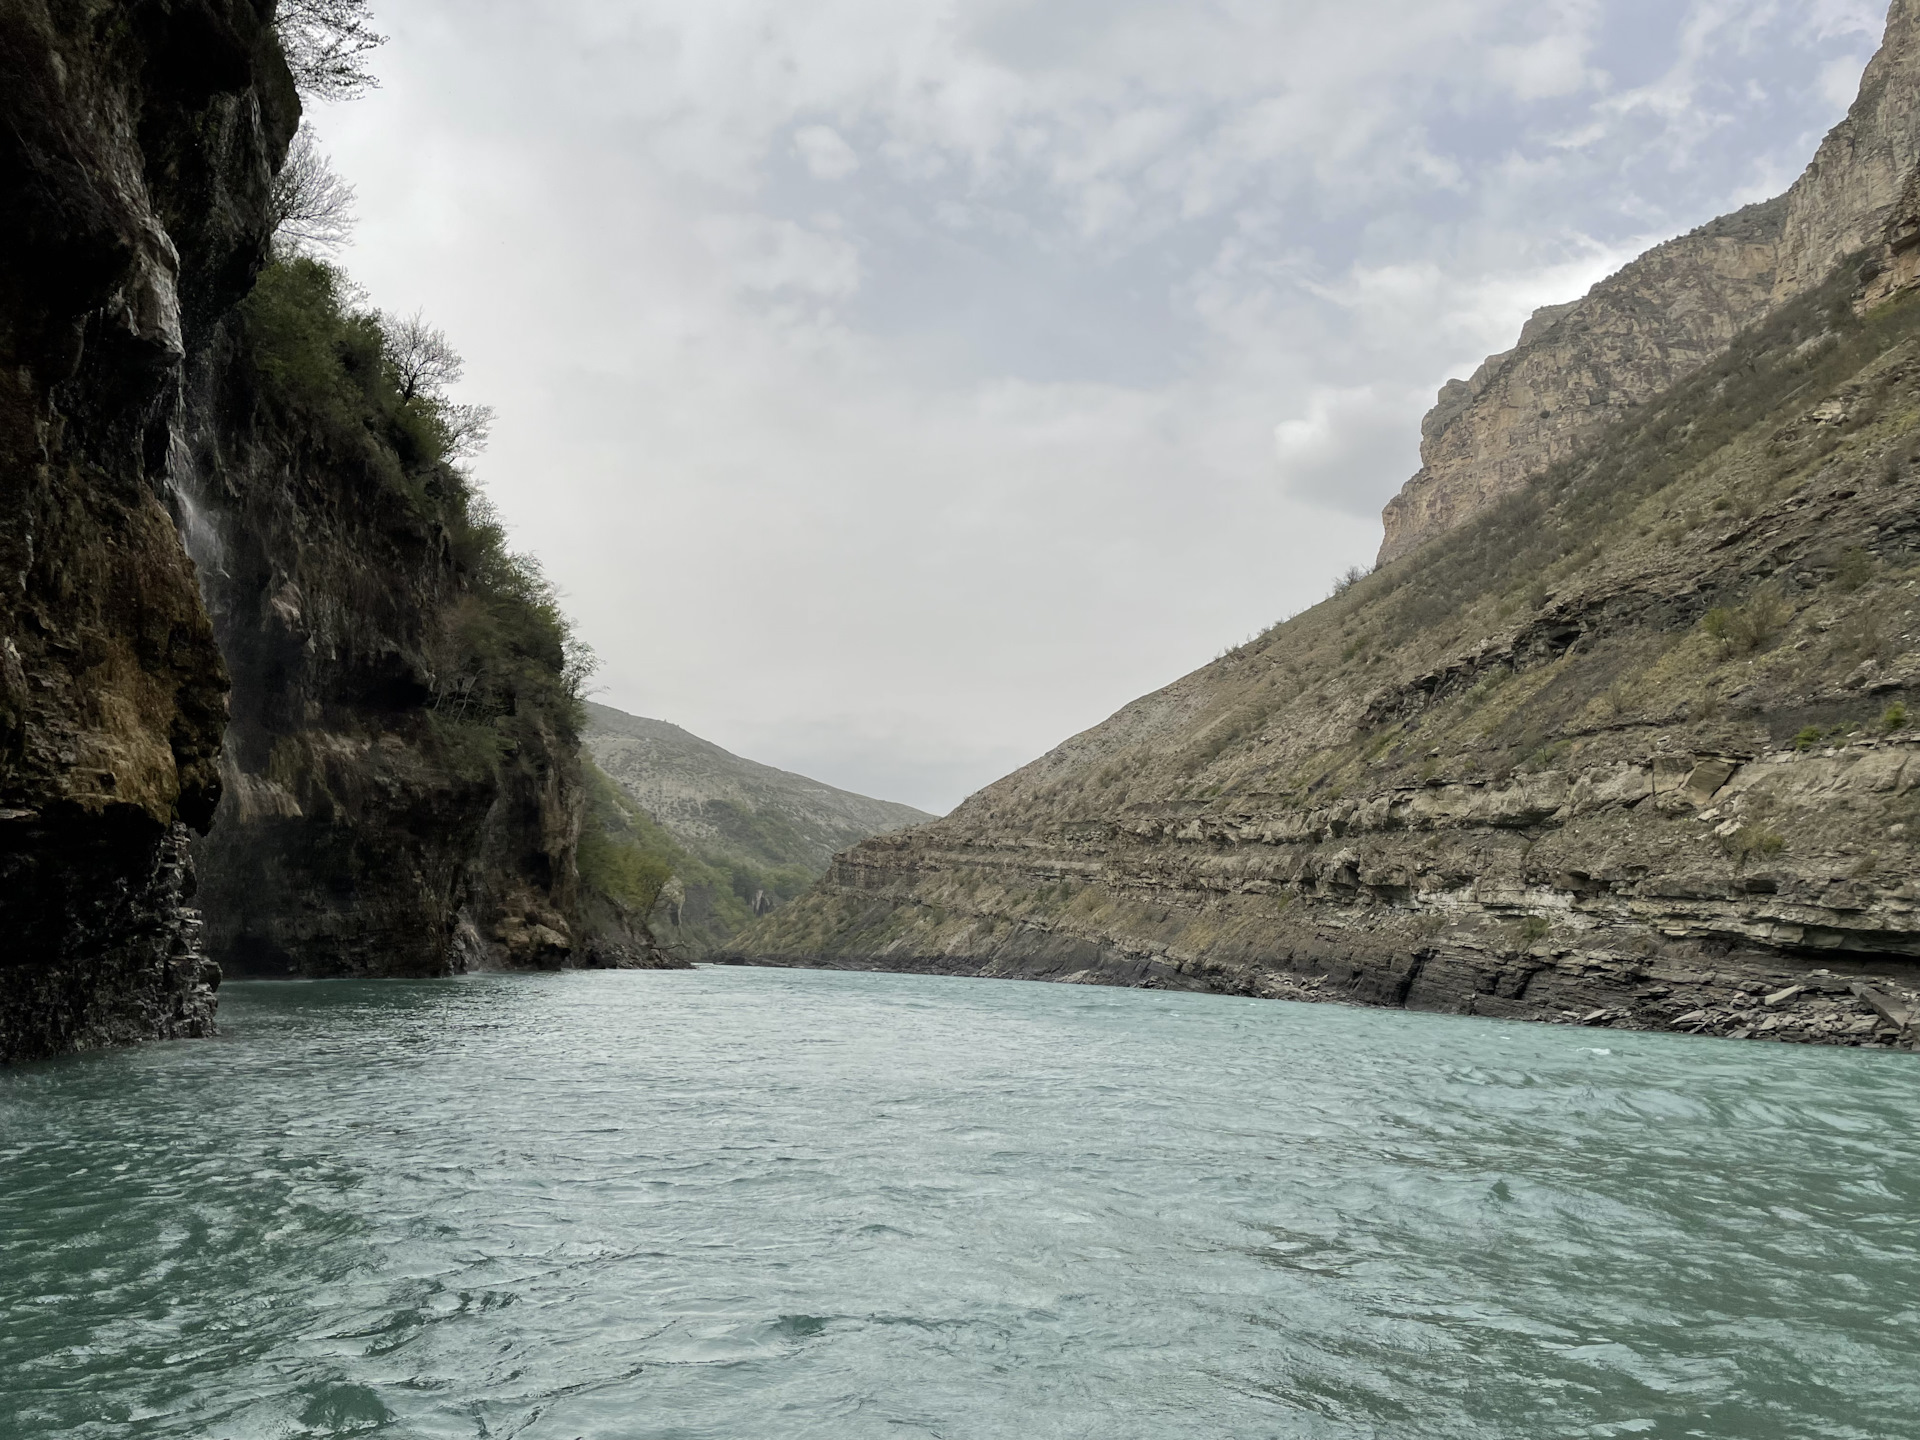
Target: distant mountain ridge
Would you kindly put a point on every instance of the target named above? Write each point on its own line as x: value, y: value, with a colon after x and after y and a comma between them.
x: 739, y: 838
x: 716, y: 802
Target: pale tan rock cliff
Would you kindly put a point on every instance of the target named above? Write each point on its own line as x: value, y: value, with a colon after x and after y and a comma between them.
x: 1580, y: 366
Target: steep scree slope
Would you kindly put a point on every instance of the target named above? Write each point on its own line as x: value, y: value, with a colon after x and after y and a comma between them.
x: 1634, y: 746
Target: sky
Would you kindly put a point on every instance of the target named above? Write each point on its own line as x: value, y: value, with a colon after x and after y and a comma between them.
x: 894, y: 388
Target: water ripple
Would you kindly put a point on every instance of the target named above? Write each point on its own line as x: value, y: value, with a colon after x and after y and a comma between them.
x: 735, y: 1204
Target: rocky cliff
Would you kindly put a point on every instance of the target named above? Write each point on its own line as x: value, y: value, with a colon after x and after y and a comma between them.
x: 137, y: 145
x: 1579, y: 367
x: 402, y: 787
x: 1633, y: 745
x: 399, y: 791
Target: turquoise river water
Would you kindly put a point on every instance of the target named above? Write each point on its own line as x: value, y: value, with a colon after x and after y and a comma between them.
x: 755, y: 1204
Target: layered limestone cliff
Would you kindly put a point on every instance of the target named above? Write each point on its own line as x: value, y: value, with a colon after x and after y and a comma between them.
x: 137, y: 145
x: 1579, y: 367
x: 1635, y: 746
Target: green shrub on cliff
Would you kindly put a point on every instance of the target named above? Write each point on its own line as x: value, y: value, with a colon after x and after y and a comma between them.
x: 624, y: 853
x: 356, y: 382
x: 1753, y: 626
x: 367, y: 394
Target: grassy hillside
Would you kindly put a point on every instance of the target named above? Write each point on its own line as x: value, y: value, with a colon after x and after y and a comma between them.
x: 734, y: 838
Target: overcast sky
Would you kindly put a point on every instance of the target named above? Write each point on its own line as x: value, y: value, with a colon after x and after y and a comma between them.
x: 897, y: 387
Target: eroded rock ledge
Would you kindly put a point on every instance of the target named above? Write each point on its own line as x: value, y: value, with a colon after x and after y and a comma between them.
x: 1634, y: 893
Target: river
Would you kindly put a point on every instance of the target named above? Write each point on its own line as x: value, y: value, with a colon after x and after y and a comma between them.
x: 758, y: 1204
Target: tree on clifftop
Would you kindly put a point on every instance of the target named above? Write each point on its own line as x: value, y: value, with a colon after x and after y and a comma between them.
x: 424, y: 364
x: 327, y: 43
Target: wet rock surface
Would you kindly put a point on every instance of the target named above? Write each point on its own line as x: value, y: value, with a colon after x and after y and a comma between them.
x: 135, y: 159
x: 402, y: 789
x: 152, y: 981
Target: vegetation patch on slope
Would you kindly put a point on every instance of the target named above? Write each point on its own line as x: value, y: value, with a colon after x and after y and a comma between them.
x: 745, y: 838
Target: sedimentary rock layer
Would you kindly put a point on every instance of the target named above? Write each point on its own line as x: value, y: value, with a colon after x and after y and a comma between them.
x: 1581, y: 366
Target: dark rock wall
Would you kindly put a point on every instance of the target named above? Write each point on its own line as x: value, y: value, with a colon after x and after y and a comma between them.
x: 362, y: 822
x: 395, y: 802
x: 137, y: 142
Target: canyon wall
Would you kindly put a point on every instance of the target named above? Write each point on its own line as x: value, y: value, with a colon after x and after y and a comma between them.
x: 137, y: 145
x: 1625, y: 733
x: 1636, y: 746
x: 1582, y: 366
x: 213, y: 495
x: 401, y: 774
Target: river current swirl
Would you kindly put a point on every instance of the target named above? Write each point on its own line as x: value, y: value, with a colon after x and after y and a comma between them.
x: 753, y: 1205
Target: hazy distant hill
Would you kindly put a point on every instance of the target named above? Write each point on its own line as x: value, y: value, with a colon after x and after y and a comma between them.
x: 752, y: 836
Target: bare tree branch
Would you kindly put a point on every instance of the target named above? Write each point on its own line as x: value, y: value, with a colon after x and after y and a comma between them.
x: 467, y: 428
x: 424, y: 364
x: 327, y: 43
x: 312, y: 207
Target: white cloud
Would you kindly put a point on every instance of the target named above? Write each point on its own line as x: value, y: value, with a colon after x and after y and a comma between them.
x: 1346, y: 434
x: 1551, y: 66
x: 1838, y: 81
x: 826, y: 154
x: 772, y: 255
